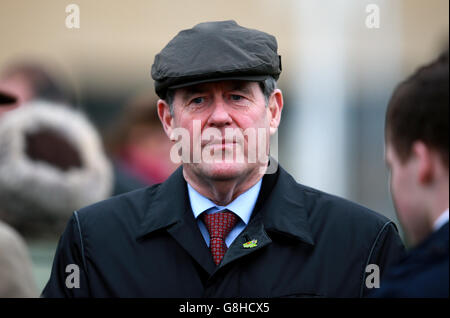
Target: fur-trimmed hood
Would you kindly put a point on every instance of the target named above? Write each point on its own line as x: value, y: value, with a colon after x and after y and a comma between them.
x: 37, y: 190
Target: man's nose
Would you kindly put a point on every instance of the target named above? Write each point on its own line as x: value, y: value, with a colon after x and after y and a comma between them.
x: 219, y: 114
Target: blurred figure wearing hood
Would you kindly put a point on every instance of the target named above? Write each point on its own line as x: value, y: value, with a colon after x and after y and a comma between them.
x: 51, y: 164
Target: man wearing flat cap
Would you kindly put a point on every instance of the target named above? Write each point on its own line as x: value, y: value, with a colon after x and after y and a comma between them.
x: 229, y: 222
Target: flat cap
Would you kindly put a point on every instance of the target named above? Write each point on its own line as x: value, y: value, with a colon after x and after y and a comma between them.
x: 213, y: 51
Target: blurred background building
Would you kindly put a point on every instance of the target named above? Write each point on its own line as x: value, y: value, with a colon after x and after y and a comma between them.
x: 338, y: 72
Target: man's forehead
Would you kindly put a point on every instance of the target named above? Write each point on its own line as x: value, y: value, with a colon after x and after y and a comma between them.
x: 228, y: 85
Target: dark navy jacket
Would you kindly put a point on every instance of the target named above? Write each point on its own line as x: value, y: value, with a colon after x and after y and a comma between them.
x: 146, y: 243
x: 423, y: 273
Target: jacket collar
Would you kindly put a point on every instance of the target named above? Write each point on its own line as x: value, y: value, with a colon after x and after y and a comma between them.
x: 279, y: 204
x: 436, y: 243
x: 168, y: 203
x: 282, y: 206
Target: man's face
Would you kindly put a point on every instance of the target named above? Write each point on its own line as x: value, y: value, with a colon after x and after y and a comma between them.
x: 224, y: 107
x: 405, y: 192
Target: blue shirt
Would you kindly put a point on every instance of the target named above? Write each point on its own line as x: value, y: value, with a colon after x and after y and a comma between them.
x: 242, y: 206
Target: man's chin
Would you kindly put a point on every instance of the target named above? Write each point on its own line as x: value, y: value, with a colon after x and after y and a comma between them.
x: 223, y: 171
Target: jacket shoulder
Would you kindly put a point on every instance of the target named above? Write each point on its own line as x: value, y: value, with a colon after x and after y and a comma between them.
x: 127, y: 208
x: 337, y: 208
x: 319, y: 204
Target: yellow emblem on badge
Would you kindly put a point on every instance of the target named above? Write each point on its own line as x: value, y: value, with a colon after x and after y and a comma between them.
x: 250, y: 244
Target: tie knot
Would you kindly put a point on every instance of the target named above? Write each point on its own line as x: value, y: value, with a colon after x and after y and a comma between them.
x: 220, y: 224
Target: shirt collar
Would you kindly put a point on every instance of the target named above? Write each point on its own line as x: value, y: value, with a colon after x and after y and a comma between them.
x: 242, y: 206
x: 441, y: 220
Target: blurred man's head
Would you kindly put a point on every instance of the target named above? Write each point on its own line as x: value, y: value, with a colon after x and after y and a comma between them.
x: 139, y: 142
x: 417, y: 147
x: 24, y: 81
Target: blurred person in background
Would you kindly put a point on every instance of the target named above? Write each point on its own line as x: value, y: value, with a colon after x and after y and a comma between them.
x: 21, y: 82
x: 417, y: 153
x: 51, y: 163
x: 16, y: 275
x: 139, y: 146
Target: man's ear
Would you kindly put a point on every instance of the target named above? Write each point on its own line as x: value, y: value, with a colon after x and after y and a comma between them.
x: 425, y: 164
x: 166, y: 118
x: 275, y: 107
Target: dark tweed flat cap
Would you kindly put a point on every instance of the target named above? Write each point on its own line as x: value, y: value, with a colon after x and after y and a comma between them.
x: 213, y: 51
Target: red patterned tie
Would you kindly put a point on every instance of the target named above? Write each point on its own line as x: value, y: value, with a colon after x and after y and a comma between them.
x: 219, y: 226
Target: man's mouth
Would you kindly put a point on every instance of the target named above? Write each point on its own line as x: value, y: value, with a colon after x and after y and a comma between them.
x: 219, y: 144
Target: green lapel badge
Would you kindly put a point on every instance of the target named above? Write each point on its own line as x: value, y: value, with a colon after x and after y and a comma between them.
x: 250, y: 244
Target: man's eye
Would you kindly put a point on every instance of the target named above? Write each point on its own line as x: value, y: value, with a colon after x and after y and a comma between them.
x: 198, y: 100
x: 236, y: 97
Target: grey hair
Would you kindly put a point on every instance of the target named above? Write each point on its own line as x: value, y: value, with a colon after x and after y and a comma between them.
x: 267, y: 88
